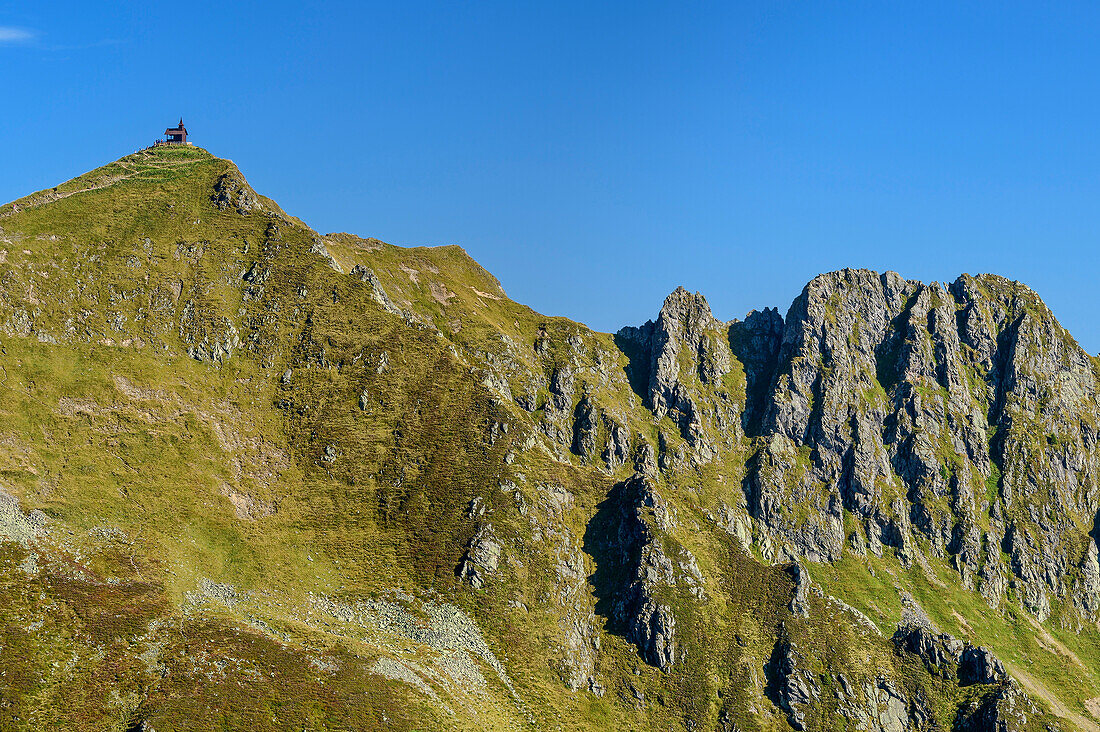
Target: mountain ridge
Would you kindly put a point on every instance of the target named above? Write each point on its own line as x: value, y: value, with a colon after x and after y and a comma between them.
x: 421, y: 503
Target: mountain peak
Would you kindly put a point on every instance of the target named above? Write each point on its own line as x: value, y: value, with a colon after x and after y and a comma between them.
x: 179, y: 192
x: 229, y: 437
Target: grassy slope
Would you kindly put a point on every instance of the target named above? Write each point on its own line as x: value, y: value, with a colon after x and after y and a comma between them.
x: 118, y: 432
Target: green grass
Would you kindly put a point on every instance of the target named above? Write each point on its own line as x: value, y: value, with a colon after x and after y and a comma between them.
x: 871, y: 585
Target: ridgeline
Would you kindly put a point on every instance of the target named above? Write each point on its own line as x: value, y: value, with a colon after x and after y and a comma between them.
x: 254, y: 477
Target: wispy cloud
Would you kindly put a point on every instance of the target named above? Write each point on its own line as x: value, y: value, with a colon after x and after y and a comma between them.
x: 11, y: 35
x: 83, y: 46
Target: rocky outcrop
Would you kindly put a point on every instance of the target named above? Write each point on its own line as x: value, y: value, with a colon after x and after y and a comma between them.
x: 232, y: 191
x: 978, y: 665
x: 755, y: 342
x: 886, y: 709
x: 574, y: 418
x: 948, y: 657
x: 481, y: 559
x: 682, y: 361
x: 626, y: 540
x: 940, y: 652
x: 585, y: 426
x: 570, y: 596
x: 651, y: 626
x: 617, y: 449
x: 790, y: 685
x: 558, y: 410
x: 825, y: 416
x: 378, y: 293
x: 800, y: 600
x: 1006, y: 709
x: 876, y: 703
x: 207, y: 336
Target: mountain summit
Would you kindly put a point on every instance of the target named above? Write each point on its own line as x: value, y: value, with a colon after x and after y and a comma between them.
x: 256, y: 477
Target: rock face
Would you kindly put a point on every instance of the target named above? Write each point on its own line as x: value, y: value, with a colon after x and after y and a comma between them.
x: 232, y: 191
x: 949, y: 658
x: 755, y: 343
x: 683, y: 359
x: 942, y: 418
x: 934, y: 421
x: 642, y: 575
x: 978, y: 665
x: 792, y: 686
x: 481, y: 559
x: 928, y: 413
x: 886, y: 709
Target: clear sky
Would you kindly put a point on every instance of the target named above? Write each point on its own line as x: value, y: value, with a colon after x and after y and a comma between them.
x: 595, y: 155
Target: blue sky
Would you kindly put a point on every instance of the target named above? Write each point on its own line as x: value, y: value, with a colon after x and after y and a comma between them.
x: 596, y: 155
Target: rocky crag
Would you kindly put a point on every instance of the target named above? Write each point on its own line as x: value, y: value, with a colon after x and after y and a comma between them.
x: 258, y: 477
